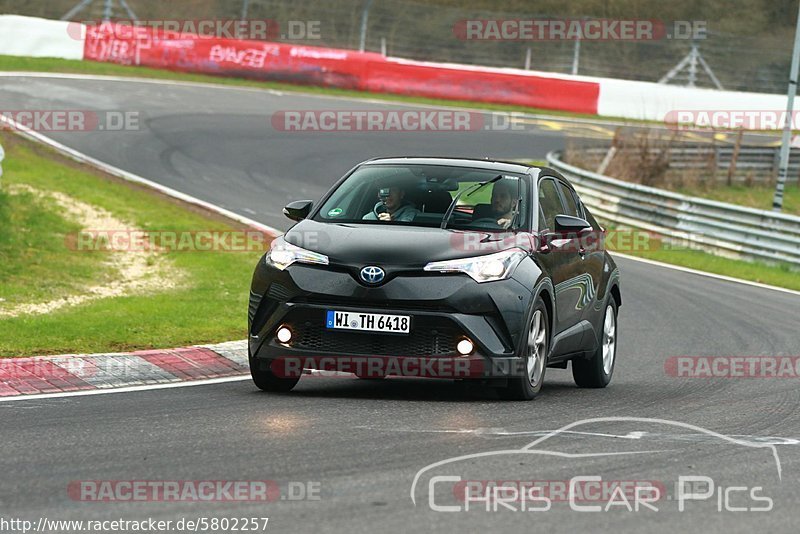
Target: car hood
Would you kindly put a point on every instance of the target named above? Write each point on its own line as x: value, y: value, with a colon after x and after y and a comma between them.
x: 397, y: 245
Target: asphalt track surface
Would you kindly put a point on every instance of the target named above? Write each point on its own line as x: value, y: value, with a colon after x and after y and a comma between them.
x: 363, y: 442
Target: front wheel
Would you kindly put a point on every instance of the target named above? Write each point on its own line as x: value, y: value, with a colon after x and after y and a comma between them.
x: 596, y: 371
x: 527, y: 385
x: 266, y: 380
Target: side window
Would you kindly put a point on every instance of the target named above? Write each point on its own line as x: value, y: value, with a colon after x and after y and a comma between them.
x: 550, y: 204
x: 569, y: 198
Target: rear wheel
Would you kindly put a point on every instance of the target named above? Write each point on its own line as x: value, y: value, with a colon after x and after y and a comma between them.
x: 596, y: 371
x: 266, y: 380
x: 527, y: 385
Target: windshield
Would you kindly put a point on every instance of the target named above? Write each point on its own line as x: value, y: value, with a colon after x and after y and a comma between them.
x: 429, y: 195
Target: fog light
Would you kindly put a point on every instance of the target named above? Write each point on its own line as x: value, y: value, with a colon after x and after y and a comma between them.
x: 284, y: 335
x: 465, y: 347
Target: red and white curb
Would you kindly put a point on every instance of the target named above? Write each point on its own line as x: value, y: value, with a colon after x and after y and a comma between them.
x: 72, y: 373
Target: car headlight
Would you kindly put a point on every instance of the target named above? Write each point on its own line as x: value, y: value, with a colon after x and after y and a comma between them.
x: 487, y: 268
x: 283, y: 254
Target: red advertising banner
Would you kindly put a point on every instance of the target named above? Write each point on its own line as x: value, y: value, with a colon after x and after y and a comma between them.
x: 332, y: 67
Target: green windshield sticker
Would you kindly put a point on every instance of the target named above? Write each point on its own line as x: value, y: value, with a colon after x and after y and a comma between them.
x: 335, y: 212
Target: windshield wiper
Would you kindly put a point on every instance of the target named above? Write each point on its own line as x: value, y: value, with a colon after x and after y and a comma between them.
x: 474, y: 189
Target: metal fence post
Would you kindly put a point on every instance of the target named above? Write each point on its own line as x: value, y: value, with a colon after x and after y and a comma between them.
x: 783, y: 168
x: 735, y: 156
x: 364, y: 18
x: 576, y: 55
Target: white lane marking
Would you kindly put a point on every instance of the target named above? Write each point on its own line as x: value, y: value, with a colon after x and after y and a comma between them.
x: 707, y: 274
x: 127, y: 389
x: 634, y: 435
x: 492, y: 432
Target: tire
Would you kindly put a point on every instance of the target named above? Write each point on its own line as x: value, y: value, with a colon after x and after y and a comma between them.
x: 534, y: 350
x: 596, y: 372
x: 266, y: 380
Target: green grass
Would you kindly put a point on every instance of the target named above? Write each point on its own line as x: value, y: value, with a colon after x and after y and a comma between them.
x: 35, y: 263
x: 776, y: 275
x: 755, y: 196
x: 13, y: 63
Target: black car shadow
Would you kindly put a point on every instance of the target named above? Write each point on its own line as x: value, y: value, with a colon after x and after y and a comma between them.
x: 402, y: 388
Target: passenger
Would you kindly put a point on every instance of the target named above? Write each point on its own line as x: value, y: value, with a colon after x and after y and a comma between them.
x: 503, y: 202
x: 396, y: 207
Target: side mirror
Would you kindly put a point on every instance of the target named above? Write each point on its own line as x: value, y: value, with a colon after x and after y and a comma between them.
x: 569, y: 224
x: 298, y: 210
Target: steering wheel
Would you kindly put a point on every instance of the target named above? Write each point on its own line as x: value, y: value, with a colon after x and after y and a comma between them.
x: 375, y: 211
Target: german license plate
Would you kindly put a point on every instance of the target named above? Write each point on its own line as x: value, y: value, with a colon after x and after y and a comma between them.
x: 368, y: 322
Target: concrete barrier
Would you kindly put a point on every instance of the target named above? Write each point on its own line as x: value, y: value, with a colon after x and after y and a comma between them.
x: 35, y: 37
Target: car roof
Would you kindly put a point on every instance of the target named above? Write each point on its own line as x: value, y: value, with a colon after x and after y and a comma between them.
x: 474, y: 163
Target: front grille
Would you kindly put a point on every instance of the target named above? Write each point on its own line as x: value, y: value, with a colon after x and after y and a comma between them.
x: 430, y: 336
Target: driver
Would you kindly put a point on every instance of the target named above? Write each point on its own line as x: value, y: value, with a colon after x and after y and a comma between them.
x: 395, y: 205
x: 503, y: 203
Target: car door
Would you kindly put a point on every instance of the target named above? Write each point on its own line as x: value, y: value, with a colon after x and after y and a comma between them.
x: 560, y: 257
x: 591, y: 252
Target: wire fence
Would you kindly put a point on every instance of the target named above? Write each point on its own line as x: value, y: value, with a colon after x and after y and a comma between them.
x: 416, y: 30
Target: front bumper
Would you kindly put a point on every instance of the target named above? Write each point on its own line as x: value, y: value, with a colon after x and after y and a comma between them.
x: 444, y: 310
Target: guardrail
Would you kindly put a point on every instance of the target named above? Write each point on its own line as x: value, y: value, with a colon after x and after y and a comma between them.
x: 724, y: 229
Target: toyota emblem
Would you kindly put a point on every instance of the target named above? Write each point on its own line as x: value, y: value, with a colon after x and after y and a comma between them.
x: 372, y: 274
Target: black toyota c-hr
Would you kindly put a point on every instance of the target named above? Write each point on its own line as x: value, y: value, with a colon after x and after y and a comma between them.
x: 449, y: 268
